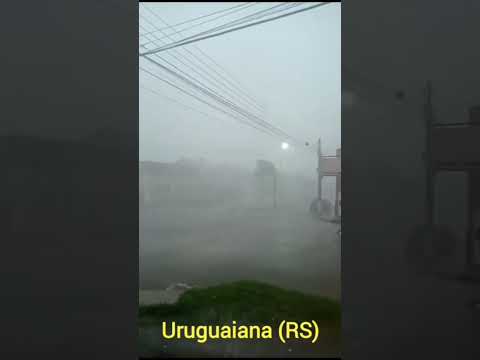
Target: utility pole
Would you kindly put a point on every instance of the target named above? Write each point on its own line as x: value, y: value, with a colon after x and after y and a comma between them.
x: 274, y: 189
x: 319, y: 171
x: 263, y: 171
x: 338, y: 185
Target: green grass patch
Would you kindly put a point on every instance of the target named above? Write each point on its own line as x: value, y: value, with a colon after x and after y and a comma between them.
x: 246, y: 302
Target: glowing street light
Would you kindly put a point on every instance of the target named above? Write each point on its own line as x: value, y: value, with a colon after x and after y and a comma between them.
x: 285, y: 146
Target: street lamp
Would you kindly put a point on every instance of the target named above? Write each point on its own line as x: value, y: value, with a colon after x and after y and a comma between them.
x: 285, y: 146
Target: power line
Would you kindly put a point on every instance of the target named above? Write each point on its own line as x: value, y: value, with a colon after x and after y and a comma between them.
x: 197, y: 110
x: 212, y: 93
x: 193, y: 69
x: 204, y: 16
x: 257, y: 15
x: 237, y: 87
x: 205, y: 102
x: 182, y: 104
x: 215, y: 81
x: 183, y: 42
x: 174, y: 100
x: 199, y: 24
x: 246, y: 97
x: 235, y: 84
x: 225, y: 102
x: 264, y: 126
x: 242, y: 20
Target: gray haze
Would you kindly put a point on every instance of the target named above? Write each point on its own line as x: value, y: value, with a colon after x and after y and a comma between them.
x: 291, y: 65
x: 205, y: 216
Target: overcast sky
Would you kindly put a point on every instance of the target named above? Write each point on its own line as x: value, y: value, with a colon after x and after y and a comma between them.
x: 291, y: 65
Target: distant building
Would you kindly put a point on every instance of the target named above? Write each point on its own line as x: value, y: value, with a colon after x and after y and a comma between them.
x: 191, y: 184
x: 188, y: 184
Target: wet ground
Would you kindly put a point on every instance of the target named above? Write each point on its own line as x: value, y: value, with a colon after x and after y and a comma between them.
x: 201, y: 247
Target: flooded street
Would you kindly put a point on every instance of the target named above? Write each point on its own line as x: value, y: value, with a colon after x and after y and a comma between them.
x: 287, y: 248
